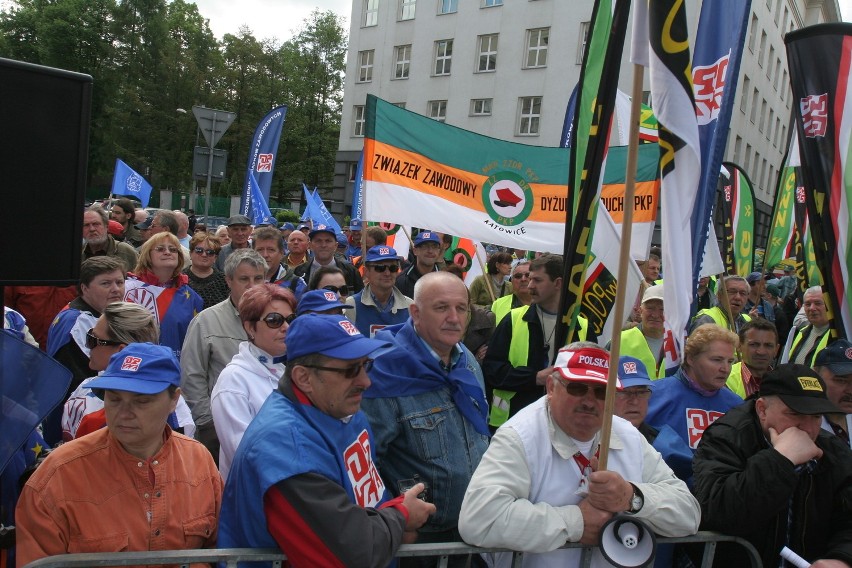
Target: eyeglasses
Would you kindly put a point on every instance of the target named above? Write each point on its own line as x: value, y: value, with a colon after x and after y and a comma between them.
x: 638, y: 393
x: 521, y: 275
x: 93, y: 341
x: 382, y: 267
x: 274, y: 320
x: 164, y: 248
x: 204, y: 251
x: 342, y: 290
x: 348, y: 372
x: 582, y: 389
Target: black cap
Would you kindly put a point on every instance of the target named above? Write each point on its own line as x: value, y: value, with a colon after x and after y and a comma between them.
x: 146, y: 224
x: 799, y: 387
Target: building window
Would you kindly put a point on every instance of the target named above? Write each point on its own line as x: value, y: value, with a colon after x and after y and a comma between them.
x: 753, y: 114
x: 360, y: 120
x: 365, y: 65
x: 480, y: 107
x: 448, y: 6
x: 537, y: 41
x: 529, y: 116
x: 487, y: 53
x: 352, y: 168
x: 762, y: 51
x: 738, y: 147
x: 400, y: 105
x: 371, y: 13
x: 438, y: 110
x: 747, y: 160
x: 406, y: 9
x: 769, y: 62
x: 401, y: 61
x: 762, y: 115
x: 744, y: 93
x: 490, y: 3
x: 581, y: 47
x: 752, y: 33
x: 443, y: 56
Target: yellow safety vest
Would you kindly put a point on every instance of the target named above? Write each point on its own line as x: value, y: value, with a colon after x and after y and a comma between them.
x: 823, y: 341
x: 735, y: 380
x: 633, y: 343
x: 501, y: 307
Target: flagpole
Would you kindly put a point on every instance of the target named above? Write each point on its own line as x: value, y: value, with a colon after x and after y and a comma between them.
x: 624, y: 258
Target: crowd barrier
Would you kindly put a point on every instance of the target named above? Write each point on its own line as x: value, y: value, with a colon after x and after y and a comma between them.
x: 231, y: 556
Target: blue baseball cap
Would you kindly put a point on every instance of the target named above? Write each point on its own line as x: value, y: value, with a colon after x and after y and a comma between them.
x: 426, y: 237
x: 304, y: 226
x: 320, y: 301
x: 379, y: 253
x: 330, y: 335
x: 288, y: 227
x: 355, y: 225
x: 633, y: 373
x: 837, y: 356
x: 342, y: 241
x: 322, y: 229
x: 143, y: 368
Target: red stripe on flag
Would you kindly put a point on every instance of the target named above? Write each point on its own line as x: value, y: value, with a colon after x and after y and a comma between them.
x: 838, y: 188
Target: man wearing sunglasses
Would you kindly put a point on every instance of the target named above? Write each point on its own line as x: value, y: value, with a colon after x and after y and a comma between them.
x: 334, y: 483
x: 380, y: 303
x: 537, y: 487
x: 427, y: 252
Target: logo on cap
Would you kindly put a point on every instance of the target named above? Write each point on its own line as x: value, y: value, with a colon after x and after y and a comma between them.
x: 630, y: 368
x: 131, y: 363
x: 848, y: 353
x: 349, y: 327
x: 427, y: 235
x: 810, y: 384
x: 330, y: 296
x: 384, y: 250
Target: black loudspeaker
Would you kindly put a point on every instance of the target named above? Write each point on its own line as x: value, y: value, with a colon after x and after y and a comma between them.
x: 44, y: 117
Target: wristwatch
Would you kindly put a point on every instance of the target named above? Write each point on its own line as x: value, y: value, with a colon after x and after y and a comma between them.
x: 637, y: 501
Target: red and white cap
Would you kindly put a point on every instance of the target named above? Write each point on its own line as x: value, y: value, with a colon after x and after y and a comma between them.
x: 584, y: 365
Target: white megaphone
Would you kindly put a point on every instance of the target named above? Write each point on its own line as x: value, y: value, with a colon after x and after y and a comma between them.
x: 627, y: 542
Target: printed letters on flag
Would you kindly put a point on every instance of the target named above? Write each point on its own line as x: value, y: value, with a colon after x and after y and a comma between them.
x: 261, y: 156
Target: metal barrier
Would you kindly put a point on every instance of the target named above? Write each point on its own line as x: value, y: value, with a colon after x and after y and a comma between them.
x: 231, y: 556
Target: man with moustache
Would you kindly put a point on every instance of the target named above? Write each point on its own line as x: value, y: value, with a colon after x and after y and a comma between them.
x: 537, y: 487
x: 520, y: 295
x: 758, y: 348
x: 834, y: 365
x: 737, y: 290
x: 804, y: 344
x: 300, y: 505
x: 98, y: 242
x: 426, y: 404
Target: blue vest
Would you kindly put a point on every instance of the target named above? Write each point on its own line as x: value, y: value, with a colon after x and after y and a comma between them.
x: 369, y: 320
x: 286, y: 439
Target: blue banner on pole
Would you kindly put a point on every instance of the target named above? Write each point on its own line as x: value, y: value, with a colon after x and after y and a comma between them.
x: 125, y: 181
x: 322, y: 215
x: 258, y: 208
x: 262, y: 154
x: 715, y: 71
x: 357, y: 200
x: 568, y: 125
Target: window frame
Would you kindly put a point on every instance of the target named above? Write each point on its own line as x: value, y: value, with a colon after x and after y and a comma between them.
x: 489, y: 55
x: 404, y: 62
x: 445, y: 59
x: 531, y: 118
x: 539, y: 51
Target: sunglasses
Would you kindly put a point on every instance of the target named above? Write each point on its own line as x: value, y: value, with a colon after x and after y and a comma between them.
x: 93, y: 341
x: 582, y: 389
x: 382, y: 267
x: 164, y: 248
x: 348, y: 372
x: 274, y: 320
x: 342, y: 290
x: 638, y: 393
x: 204, y: 251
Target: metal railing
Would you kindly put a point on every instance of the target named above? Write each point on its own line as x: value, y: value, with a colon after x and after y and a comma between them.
x: 231, y: 556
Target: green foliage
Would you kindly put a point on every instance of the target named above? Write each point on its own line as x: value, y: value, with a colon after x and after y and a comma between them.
x: 149, y: 58
x: 285, y: 215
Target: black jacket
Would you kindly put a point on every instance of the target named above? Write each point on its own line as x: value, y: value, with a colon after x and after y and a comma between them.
x: 744, y: 487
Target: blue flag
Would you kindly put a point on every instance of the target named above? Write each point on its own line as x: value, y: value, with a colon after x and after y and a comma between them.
x: 715, y: 70
x: 261, y: 157
x: 259, y: 211
x: 309, y: 204
x: 357, y: 201
x: 568, y: 126
x: 125, y: 181
x: 31, y: 385
x: 321, y: 214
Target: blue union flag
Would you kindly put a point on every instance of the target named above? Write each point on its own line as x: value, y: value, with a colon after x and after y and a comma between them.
x: 126, y: 181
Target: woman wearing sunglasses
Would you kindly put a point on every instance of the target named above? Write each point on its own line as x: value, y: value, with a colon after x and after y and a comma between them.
x: 120, y: 324
x: 207, y: 281
x: 159, y: 285
x: 266, y: 311
x: 330, y: 278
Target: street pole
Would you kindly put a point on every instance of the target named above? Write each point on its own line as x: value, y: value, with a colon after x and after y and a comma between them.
x: 209, y: 175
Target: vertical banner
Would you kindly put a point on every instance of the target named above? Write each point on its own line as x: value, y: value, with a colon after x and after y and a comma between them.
x: 357, y: 199
x: 715, y: 71
x: 780, y: 243
x: 595, y: 107
x: 258, y: 209
x: 661, y: 43
x: 736, y: 199
x: 125, y: 181
x: 822, y: 105
x: 262, y: 154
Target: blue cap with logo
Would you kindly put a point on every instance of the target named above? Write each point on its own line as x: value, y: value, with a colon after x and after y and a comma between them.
x: 355, y: 225
x: 426, y: 237
x: 633, y: 373
x: 330, y: 335
x: 143, y: 368
x: 379, y: 253
x: 287, y: 227
x: 320, y: 301
x: 322, y: 229
x: 837, y: 356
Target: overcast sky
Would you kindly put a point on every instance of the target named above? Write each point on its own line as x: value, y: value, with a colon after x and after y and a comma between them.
x: 267, y: 18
